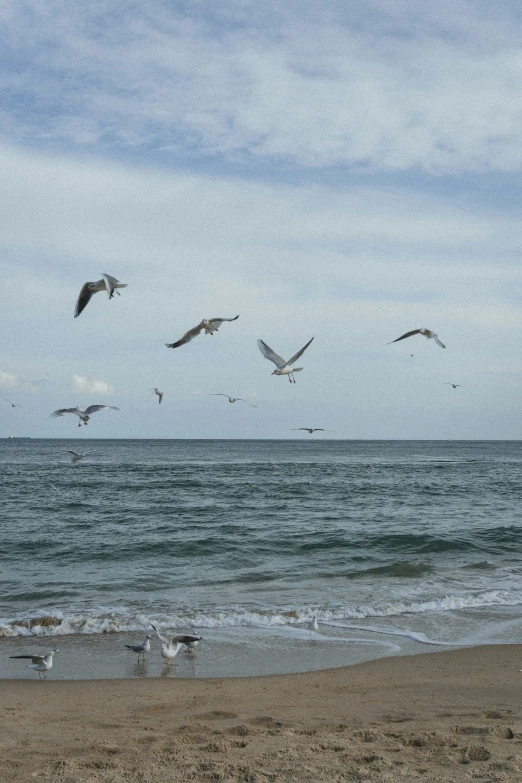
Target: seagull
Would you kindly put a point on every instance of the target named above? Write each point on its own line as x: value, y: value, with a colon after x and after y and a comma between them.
x: 84, y: 414
x: 426, y: 332
x: 76, y: 457
x: 142, y: 648
x: 312, y: 625
x: 309, y: 429
x: 455, y: 385
x: 283, y: 368
x: 233, y: 399
x: 11, y: 403
x: 159, y: 393
x: 107, y: 283
x: 210, y: 326
x: 40, y: 663
x: 190, y: 640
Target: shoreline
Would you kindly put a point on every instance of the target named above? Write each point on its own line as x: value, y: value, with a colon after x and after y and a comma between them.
x: 447, y: 716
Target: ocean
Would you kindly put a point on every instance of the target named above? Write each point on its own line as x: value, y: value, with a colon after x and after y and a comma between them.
x: 398, y: 547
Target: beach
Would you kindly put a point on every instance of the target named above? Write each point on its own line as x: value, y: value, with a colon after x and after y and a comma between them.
x: 450, y: 716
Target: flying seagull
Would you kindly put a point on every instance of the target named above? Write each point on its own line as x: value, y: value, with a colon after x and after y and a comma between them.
x: 311, y: 430
x: 233, y: 399
x: 190, y: 640
x: 84, y: 414
x: 40, y: 663
x: 283, y: 368
x: 12, y: 404
x: 210, y: 326
x: 426, y: 332
x: 455, y: 385
x: 76, y: 457
x: 142, y: 648
x: 107, y: 283
x: 159, y: 393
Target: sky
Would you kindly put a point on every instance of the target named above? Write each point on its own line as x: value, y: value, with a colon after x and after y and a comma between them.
x: 342, y: 171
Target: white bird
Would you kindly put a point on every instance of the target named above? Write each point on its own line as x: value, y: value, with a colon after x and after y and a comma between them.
x: 426, y: 332
x: 159, y: 393
x: 142, y: 648
x: 107, y: 283
x: 76, y: 457
x: 313, y: 627
x: 311, y: 430
x: 210, y: 326
x: 283, y: 368
x: 40, y: 663
x: 233, y: 399
x: 83, y: 413
x: 190, y: 640
x: 455, y: 385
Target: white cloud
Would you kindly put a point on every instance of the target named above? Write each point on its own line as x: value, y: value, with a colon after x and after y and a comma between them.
x: 391, y: 85
x: 83, y: 384
x: 8, y: 381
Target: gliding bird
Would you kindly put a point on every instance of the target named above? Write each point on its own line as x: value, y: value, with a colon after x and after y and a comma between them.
x: 455, y: 385
x: 11, y: 403
x: 426, y: 332
x: 210, y: 326
x: 84, y: 415
x: 107, y: 283
x: 311, y: 430
x: 283, y: 368
x: 233, y: 399
x: 76, y: 457
x: 159, y: 393
x: 40, y: 663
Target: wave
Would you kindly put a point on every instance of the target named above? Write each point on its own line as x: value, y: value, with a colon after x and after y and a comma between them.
x: 119, y: 619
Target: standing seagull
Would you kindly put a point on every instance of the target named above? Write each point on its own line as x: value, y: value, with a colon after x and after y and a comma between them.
x: 40, y: 663
x: 313, y: 627
x: 107, y: 283
x: 76, y: 457
x: 142, y: 648
x: 426, y: 332
x: 210, y: 326
x: 311, y: 430
x: 283, y: 368
x: 455, y: 385
x: 159, y: 393
x: 233, y: 399
x: 84, y: 414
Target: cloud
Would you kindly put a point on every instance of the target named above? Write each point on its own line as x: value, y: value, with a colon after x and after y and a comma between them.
x: 8, y: 381
x: 385, y: 85
x: 83, y: 384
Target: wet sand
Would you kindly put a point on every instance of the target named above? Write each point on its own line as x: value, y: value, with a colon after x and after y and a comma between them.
x: 445, y: 716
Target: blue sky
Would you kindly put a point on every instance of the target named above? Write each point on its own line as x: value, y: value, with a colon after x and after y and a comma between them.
x: 349, y: 171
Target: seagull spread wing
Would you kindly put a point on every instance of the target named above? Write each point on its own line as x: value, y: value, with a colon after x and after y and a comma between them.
x: 299, y: 353
x: 403, y: 337
x: 218, y: 321
x: 240, y: 399
x: 65, y: 411
x: 109, y: 283
x: 187, y: 337
x: 163, y: 638
x: 185, y: 638
x: 34, y: 658
x: 268, y: 353
x: 94, y: 408
x: 70, y: 451
x: 437, y: 340
x: 83, y: 299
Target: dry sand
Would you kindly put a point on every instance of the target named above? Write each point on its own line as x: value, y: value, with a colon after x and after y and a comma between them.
x: 446, y: 716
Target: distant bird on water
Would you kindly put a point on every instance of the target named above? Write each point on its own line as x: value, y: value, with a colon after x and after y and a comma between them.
x: 283, y: 368
x: 426, y: 332
x: 40, y: 663
x: 159, y: 393
x: 107, y: 283
x: 455, y: 385
x: 232, y: 399
x: 210, y: 326
x: 142, y: 648
x: 84, y: 414
x: 311, y: 430
x: 76, y: 457
x: 313, y: 626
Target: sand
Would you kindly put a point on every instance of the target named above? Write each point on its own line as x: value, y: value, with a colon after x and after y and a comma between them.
x: 445, y: 716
